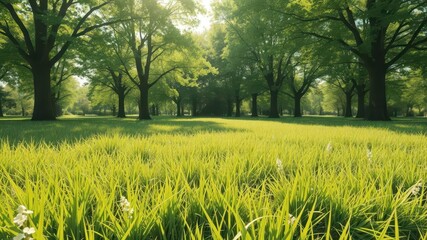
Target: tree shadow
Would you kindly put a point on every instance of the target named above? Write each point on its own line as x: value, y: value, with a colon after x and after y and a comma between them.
x: 415, y: 126
x: 76, y: 129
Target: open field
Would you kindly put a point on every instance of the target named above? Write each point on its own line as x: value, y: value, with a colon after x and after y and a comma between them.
x: 310, y: 178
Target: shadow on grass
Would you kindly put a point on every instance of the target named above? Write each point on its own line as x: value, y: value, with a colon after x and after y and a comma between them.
x: 17, y: 130
x: 417, y: 126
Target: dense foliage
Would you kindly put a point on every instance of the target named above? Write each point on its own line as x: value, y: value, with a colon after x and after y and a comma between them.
x: 259, y: 57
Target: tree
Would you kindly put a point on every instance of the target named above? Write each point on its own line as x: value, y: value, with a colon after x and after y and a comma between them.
x: 6, y: 99
x: 40, y: 32
x: 193, y: 66
x: 304, y: 69
x: 255, y: 25
x: 344, y: 77
x: 333, y: 98
x: 151, y: 35
x: 378, y: 32
x: 415, y: 92
x: 63, y: 84
x: 3, y: 95
x: 108, y: 65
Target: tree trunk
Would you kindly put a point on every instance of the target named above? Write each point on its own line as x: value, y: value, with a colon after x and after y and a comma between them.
x: 153, y: 110
x: 297, y: 106
x: 360, y: 101
x: 348, y: 98
x: 238, y: 105
x: 43, y: 103
x: 121, y: 113
x: 377, y: 110
x: 274, y: 97
x: 114, y: 110
x: 144, y: 110
x: 194, y: 107
x: 1, y: 108
x: 178, y: 108
x: 229, y: 107
x: 58, y: 108
x: 255, y: 105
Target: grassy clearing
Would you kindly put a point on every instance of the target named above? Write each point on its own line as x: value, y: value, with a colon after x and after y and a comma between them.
x: 215, y: 178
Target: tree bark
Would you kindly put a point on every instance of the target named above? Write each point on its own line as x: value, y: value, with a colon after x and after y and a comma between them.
x: 348, y: 99
x: 238, y: 104
x: 361, y: 92
x: 178, y: 108
x: 43, y: 103
x: 255, y: 105
x: 121, y: 113
x: 274, y: 97
x: 1, y: 107
x: 297, y: 106
x: 144, y: 111
x: 194, y: 107
x: 377, y: 110
x: 229, y: 107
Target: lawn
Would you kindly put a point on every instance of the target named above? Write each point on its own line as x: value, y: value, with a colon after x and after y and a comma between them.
x: 206, y: 178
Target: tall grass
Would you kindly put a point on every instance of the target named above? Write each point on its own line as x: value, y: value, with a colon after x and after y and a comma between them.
x: 214, y: 184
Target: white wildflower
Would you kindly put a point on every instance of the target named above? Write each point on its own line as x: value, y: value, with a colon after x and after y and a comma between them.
x: 20, y: 219
x: 416, y: 189
x: 23, y: 210
x: 126, y: 207
x: 369, y: 154
x: 29, y: 231
x: 22, y: 215
x: 329, y: 147
x: 369, y: 151
x: 291, y: 220
x: 279, y: 164
x: 19, y: 236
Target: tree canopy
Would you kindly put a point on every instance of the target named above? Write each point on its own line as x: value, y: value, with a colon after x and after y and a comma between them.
x: 259, y: 57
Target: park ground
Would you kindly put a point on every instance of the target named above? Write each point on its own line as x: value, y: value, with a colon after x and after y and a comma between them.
x: 215, y: 178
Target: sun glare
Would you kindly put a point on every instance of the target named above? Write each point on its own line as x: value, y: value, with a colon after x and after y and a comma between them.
x: 205, y: 19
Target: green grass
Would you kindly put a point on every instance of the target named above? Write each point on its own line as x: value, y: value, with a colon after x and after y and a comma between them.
x: 214, y: 178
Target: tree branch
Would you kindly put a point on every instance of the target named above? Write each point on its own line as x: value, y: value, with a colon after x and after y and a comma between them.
x: 20, y: 24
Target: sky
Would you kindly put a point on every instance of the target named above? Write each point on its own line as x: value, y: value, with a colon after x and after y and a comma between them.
x: 205, y: 20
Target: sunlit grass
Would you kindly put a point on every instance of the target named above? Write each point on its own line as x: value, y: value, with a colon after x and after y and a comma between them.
x: 215, y: 179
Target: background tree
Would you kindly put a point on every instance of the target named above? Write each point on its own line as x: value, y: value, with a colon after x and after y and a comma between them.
x: 303, y: 70
x: 343, y: 76
x: 152, y: 35
x: 378, y: 32
x: 255, y: 25
x: 108, y: 63
x: 42, y: 32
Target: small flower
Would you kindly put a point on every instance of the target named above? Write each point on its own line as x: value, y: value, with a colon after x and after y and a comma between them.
x: 279, y: 165
x: 20, y: 219
x: 329, y: 147
x: 125, y: 205
x: 23, y: 210
x: 19, y: 236
x: 369, y: 154
x: 291, y: 220
x: 416, y: 189
x: 29, y: 231
x: 369, y: 151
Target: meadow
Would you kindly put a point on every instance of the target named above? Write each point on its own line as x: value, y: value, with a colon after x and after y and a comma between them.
x: 204, y: 178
